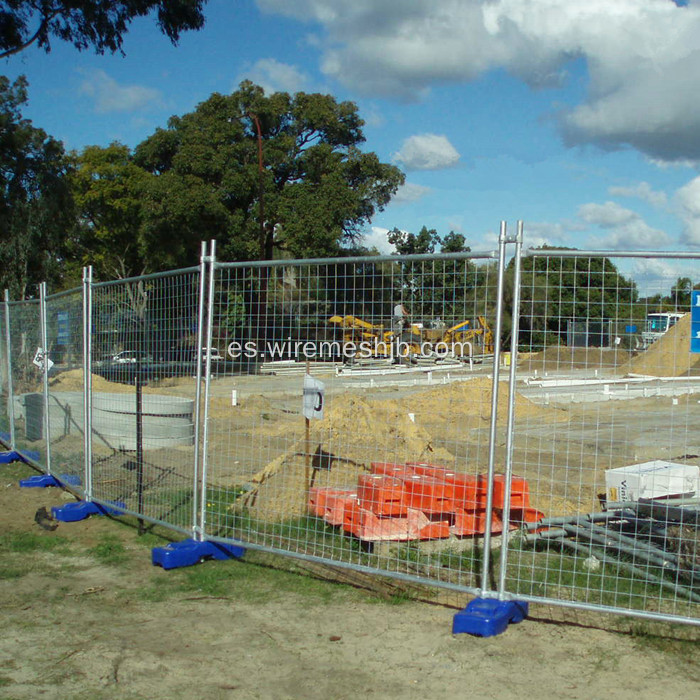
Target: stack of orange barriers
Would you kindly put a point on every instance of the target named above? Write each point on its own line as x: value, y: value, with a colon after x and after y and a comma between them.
x: 419, y: 501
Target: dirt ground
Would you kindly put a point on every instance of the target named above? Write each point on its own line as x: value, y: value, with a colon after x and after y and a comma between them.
x: 85, y: 615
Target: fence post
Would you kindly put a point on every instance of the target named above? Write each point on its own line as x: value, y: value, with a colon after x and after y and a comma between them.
x: 207, y: 382
x: 486, y: 561
x: 203, y: 260
x: 10, y: 388
x: 45, y: 372
x: 87, y: 379
x: 515, y: 329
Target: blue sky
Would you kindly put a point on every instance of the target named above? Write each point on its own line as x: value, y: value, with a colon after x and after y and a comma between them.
x: 580, y: 117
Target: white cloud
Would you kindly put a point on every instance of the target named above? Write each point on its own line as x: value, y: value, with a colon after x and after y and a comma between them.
x: 377, y: 238
x: 687, y: 201
x: 110, y: 96
x: 643, y: 191
x: 274, y: 76
x: 642, y: 57
x: 657, y: 276
x: 410, y: 192
x: 625, y: 228
x: 427, y: 152
x: 537, y: 234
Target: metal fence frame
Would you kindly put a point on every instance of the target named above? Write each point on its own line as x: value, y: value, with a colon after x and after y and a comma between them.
x: 206, y: 276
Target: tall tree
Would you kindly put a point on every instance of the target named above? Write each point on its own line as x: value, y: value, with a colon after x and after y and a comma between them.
x: 89, y: 23
x: 36, y: 210
x: 440, y: 289
x: 261, y: 174
x: 107, y: 187
x: 556, y: 290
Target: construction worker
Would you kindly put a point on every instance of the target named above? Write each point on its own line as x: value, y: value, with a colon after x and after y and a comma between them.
x: 401, y: 326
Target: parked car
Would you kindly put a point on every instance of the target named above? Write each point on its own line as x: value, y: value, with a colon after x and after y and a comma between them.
x: 131, y: 357
x: 213, y: 354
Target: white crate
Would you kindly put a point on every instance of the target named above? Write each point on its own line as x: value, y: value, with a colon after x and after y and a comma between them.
x: 655, y: 479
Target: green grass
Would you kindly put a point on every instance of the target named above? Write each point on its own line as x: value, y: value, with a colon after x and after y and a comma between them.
x: 109, y: 551
x: 251, y: 580
x: 25, y: 542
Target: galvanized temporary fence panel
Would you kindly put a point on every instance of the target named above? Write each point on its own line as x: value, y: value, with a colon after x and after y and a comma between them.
x: 5, y: 390
x: 391, y: 478
x: 601, y: 386
x: 64, y: 334
x: 146, y: 368
x: 25, y: 346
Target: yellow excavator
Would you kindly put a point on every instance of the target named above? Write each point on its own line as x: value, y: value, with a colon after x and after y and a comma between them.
x: 462, y: 339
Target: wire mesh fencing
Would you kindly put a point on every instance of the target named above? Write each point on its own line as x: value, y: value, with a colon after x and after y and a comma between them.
x: 146, y: 370
x: 606, y: 434
x: 28, y: 399
x: 520, y: 427
x: 5, y: 385
x: 65, y: 396
x: 382, y: 465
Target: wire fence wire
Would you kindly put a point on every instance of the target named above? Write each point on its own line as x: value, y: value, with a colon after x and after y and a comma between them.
x: 28, y: 401
x: 519, y: 427
x: 146, y: 366
x: 66, y: 416
x: 607, y: 382
x: 5, y: 389
x: 385, y: 470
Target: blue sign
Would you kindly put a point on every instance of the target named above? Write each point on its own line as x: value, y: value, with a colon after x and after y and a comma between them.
x: 695, y: 321
x: 63, y: 323
x: 630, y: 329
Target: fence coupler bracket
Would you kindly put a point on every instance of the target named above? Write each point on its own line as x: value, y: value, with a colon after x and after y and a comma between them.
x: 487, y: 617
x: 17, y: 456
x: 41, y: 481
x: 73, y: 512
x: 190, y: 552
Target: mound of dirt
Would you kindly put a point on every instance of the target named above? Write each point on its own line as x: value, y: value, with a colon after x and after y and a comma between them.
x: 361, y: 431
x: 669, y: 356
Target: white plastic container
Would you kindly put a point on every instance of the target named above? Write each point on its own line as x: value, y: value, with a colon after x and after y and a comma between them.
x: 655, y: 479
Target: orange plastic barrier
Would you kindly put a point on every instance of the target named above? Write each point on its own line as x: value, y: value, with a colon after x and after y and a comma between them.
x: 519, y: 492
x: 436, y: 471
x: 415, y: 525
x: 390, y: 469
x: 329, y: 504
x: 383, y: 495
x: 474, y: 523
x: 418, y: 500
x: 427, y: 494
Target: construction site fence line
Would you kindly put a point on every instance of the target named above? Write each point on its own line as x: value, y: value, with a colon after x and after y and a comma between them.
x: 469, y: 487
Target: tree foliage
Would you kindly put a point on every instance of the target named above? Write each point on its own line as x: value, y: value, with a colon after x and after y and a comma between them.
x: 89, y: 23
x: 108, y: 187
x: 261, y: 174
x: 36, y: 210
x: 556, y: 290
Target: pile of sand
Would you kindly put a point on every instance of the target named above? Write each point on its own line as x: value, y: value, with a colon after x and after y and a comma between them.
x: 361, y: 431
x: 669, y: 356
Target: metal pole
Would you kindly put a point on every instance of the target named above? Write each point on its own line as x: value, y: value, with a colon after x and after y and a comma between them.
x: 510, y: 424
x: 45, y: 364
x: 139, y: 441
x: 87, y: 379
x: 10, y: 388
x: 207, y: 382
x: 203, y: 259
x: 486, y: 560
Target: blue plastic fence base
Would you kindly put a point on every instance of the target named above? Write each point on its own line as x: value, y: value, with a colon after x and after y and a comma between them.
x: 17, y: 456
x: 42, y: 481
x: 73, y: 512
x: 486, y: 617
x: 190, y: 552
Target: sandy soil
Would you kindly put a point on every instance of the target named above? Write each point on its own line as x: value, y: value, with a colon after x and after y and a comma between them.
x: 77, y: 628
